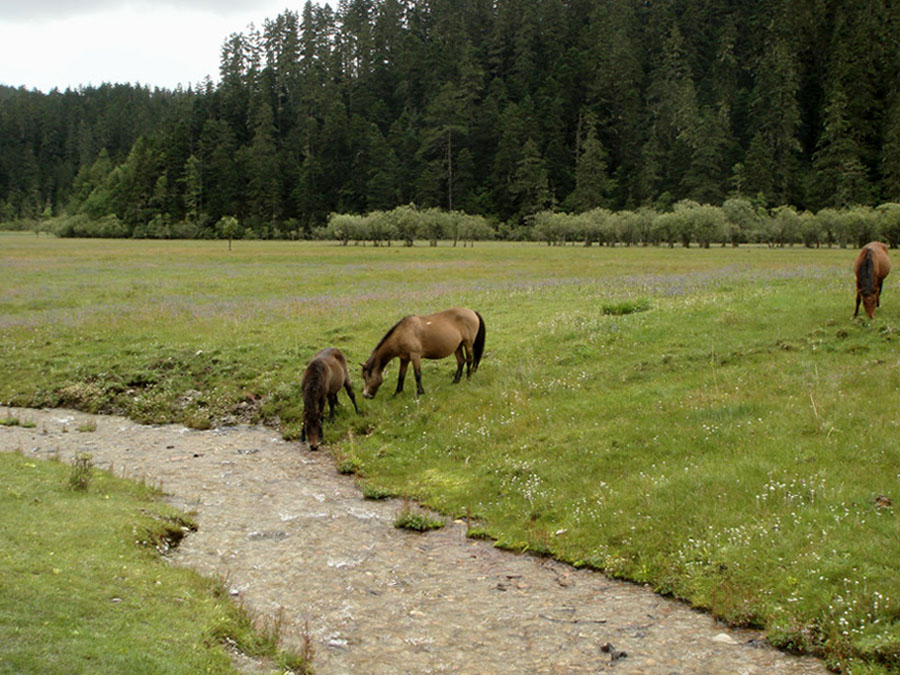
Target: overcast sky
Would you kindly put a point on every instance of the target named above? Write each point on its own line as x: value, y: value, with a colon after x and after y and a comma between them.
x: 160, y: 43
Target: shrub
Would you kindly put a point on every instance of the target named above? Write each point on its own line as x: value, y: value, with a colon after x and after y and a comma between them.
x: 408, y: 519
x: 626, y: 307
x: 82, y: 472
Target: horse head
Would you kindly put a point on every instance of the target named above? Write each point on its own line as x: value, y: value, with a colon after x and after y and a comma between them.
x: 372, y: 379
x: 869, y: 302
x: 312, y: 430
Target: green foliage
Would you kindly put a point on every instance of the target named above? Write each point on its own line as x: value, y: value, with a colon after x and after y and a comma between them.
x: 374, y: 492
x: 410, y: 519
x: 407, y: 223
x: 228, y: 227
x: 625, y: 307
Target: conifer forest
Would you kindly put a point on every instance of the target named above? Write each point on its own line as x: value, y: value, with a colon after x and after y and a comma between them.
x: 497, y: 108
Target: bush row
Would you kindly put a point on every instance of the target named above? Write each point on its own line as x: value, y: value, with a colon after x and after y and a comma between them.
x: 406, y: 224
x: 736, y: 222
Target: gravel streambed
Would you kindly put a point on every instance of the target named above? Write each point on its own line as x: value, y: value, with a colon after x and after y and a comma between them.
x: 296, y: 539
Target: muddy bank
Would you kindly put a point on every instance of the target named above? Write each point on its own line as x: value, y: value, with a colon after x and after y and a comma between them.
x: 296, y: 539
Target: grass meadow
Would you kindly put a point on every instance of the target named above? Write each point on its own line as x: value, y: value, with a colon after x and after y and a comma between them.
x: 711, y: 422
x: 82, y: 589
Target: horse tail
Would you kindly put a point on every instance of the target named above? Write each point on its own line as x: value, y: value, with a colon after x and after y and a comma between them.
x: 865, y: 274
x: 478, y: 347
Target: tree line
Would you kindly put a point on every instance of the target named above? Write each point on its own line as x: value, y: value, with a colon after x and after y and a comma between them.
x: 503, y: 109
x: 738, y: 221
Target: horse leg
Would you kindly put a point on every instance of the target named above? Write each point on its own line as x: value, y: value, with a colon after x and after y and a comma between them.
x: 332, y: 401
x: 349, y: 391
x: 417, y: 369
x: 459, y: 363
x: 404, y: 364
x: 878, y: 294
x: 469, y: 359
x: 856, y: 312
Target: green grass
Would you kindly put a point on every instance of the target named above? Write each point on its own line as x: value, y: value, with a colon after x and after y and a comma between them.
x: 710, y: 422
x: 417, y: 521
x: 83, y: 589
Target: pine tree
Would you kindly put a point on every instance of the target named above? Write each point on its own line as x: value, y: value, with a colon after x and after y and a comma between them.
x: 530, y: 186
x: 614, y: 53
x: 193, y: 189
x: 674, y: 118
x: 262, y: 196
x: 840, y: 173
x: 772, y: 161
x: 221, y: 179
x: 593, y: 186
x: 890, y: 153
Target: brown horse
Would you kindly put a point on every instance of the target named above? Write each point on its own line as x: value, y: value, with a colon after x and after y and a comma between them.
x: 872, y: 266
x: 322, y: 380
x: 457, y: 331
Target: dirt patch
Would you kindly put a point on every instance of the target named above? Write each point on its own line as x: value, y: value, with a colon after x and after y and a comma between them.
x: 295, y: 539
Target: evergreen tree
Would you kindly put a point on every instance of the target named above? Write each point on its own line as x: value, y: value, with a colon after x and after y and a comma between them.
x: 592, y: 182
x: 193, y: 189
x: 840, y: 173
x: 674, y: 117
x: 772, y: 161
x: 530, y: 186
x: 890, y: 153
x: 612, y: 45
x: 263, y: 191
x: 221, y: 180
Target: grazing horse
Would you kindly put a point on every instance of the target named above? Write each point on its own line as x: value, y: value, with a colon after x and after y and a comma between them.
x: 457, y: 331
x: 872, y: 266
x: 322, y: 380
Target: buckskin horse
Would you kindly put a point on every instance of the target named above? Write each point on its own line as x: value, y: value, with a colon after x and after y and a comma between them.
x: 872, y: 266
x: 322, y: 380
x: 457, y: 331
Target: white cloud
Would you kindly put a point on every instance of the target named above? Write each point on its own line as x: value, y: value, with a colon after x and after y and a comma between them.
x: 160, y: 45
x: 25, y: 10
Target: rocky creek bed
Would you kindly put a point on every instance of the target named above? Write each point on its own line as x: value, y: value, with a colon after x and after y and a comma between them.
x: 295, y: 539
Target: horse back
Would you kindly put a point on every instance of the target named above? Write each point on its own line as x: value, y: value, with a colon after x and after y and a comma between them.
x: 440, y: 334
x: 330, y: 366
x: 461, y: 319
x: 874, y: 257
x: 882, y: 260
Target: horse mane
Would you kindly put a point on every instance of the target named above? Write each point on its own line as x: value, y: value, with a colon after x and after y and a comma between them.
x: 312, y: 386
x: 389, y: 333
x: 866, y: 274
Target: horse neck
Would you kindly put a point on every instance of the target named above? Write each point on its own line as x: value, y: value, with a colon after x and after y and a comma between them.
x: 312, y: 384
x: 867, y: 273
x: 383, y: 353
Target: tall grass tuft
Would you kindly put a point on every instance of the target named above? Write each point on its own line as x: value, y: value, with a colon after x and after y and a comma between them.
x: 82, y: 472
